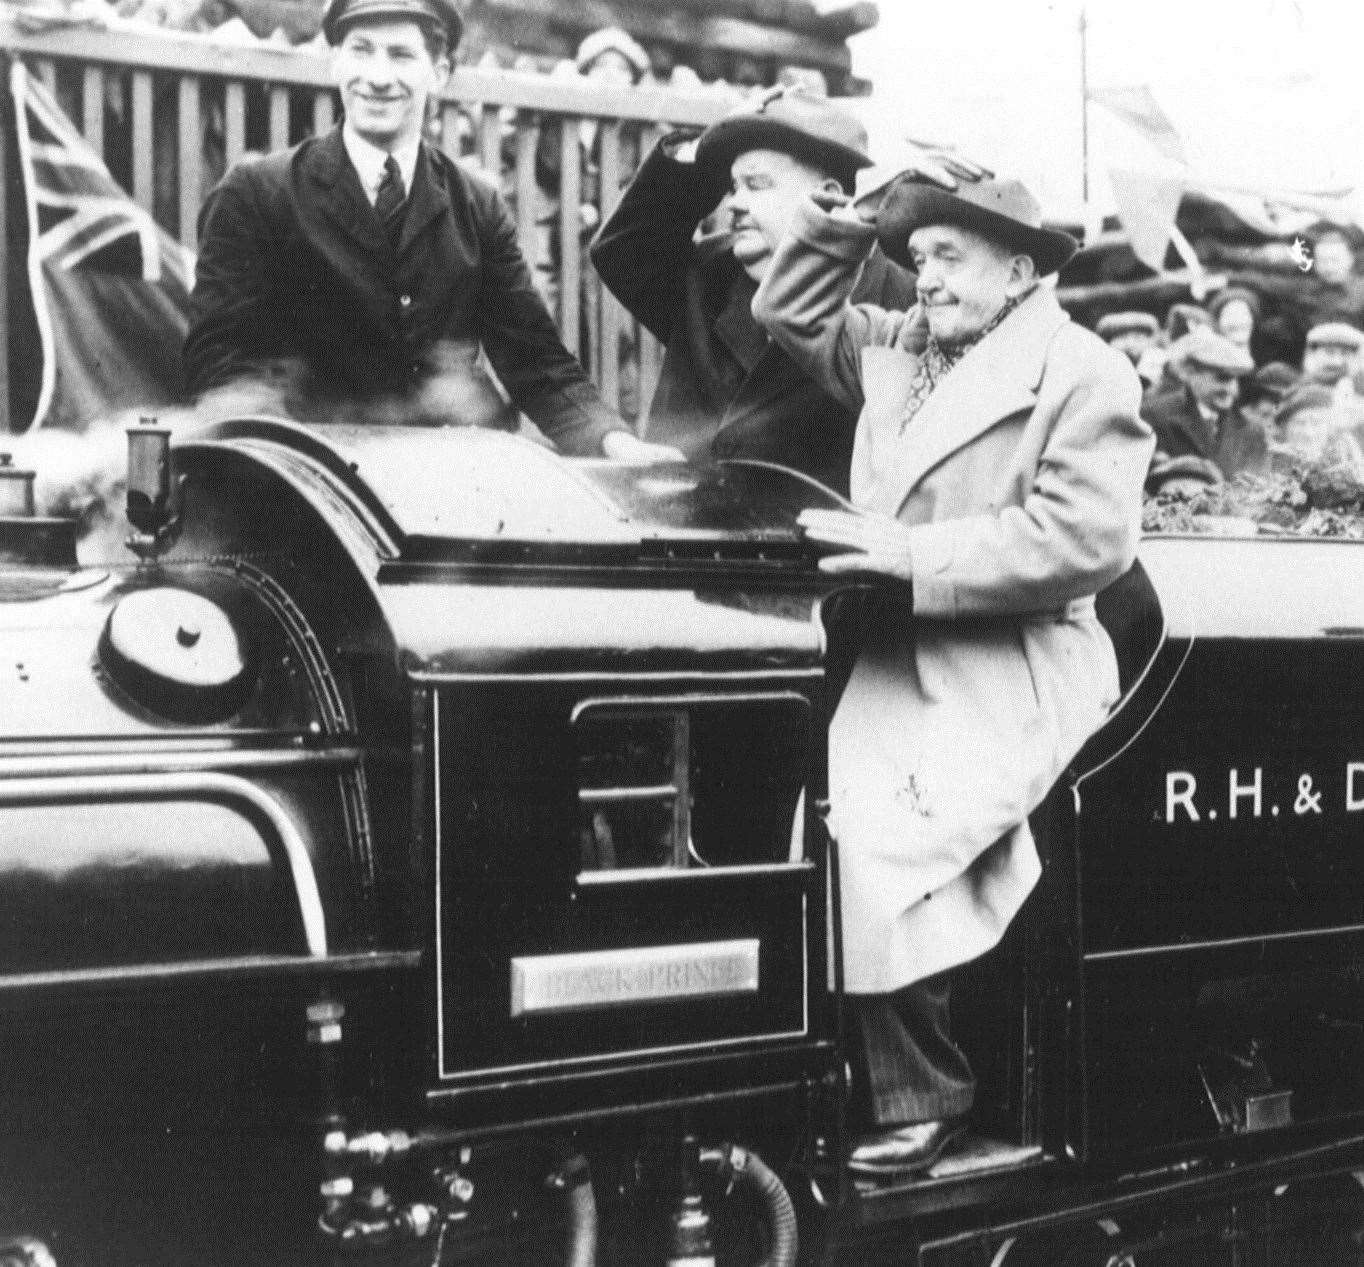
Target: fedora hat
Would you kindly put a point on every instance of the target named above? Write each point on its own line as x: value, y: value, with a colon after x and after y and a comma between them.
x: 444, y: 14
x: 1001, y: 210
x: 796, y: 123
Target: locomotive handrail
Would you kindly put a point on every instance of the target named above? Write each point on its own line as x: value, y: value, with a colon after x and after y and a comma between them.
x: 231, y: 787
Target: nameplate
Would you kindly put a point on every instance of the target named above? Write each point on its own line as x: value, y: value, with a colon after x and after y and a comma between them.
x: 645, y: 974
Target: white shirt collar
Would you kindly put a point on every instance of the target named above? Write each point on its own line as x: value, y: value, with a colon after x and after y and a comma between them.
x: 368, y: 161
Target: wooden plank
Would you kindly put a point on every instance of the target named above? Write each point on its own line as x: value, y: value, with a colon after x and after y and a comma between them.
x: 830, y: 20
x: 612, y: 315
x: 234, y: 121
x: 324, y: 113
x: 143, y: 151
x: 490, y: 141
x: 449, y: 129
x: 293, y: 66
x: 701, y: 31
x: 279, y: 117
x: 191, y: 166
x: 570, y: 246
x: 650, y: 367
x: 6, y: 113
x: 527, y: 143
x: 92, y: 107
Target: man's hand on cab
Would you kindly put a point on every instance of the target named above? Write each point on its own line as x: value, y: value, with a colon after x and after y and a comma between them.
x: 621, y: 446
x: 871, y: 543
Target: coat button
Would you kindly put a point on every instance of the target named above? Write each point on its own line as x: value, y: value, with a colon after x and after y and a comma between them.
x: 406, y: 301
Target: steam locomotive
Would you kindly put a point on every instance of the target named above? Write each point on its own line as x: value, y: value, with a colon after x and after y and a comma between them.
x: 411, y: 851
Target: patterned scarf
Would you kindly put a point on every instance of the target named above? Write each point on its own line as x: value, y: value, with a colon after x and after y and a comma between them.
x: 936, y: 361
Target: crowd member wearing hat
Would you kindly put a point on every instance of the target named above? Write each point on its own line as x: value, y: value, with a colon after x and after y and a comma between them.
x: 1182, y: 477
x: 1235, y: 313
x: 1200, y: 417
x: 1314, y: 426
x: 612, y: 54
x: 997, y: 471
x: 725, y: 390
x: 1134, y: 335
x: 1331, y: 356
x: 1265, y: 390
x: 372, y: 269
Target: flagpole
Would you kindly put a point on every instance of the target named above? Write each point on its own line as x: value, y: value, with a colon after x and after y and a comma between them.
x: 1084, y: 108
x: 4, y: 244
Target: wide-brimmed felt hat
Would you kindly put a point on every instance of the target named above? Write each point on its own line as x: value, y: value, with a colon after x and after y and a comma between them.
x: 340, y: 14
x: 1001, y: 210
x: 1117, y: 323
x: 795, y: 122
x: 1204, y: 346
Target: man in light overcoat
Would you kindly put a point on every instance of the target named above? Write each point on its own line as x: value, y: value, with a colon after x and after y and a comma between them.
x: 997, y: 468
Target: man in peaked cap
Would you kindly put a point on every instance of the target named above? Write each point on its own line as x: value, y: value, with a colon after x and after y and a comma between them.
x: 997, y: 473
x: 1200, y: 418
x: 365, y: 271
x: 725, y: 390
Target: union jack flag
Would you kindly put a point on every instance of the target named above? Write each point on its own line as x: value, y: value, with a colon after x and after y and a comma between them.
x: 98, y: 328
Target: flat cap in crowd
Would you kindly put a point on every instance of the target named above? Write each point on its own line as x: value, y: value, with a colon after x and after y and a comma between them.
x: 1116, y: 324
x: 1335, y: 334
x: 1204, y: 347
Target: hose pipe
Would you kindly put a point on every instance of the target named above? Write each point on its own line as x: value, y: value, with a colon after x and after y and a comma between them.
x: 574, y: 1179
x: 748, y: 1168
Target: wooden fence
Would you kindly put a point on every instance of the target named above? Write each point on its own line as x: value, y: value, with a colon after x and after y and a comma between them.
x: 168, y: 114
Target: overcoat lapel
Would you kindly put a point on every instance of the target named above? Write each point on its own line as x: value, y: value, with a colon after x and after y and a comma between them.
x: 997, y: 378
x: 329, y: 166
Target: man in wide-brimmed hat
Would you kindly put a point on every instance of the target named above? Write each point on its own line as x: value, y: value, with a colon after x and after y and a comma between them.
x: 725, y: 390
x: 1200, y: 418
x: 365, y: 270
x: 998, y: 471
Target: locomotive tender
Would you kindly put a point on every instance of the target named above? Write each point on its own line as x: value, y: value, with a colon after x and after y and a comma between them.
x: 414, y: 855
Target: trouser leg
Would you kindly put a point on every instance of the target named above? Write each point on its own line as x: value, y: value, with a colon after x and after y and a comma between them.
x: 906, y: 1068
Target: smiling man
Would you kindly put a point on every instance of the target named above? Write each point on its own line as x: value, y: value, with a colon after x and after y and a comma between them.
x: 359, y: 274
x: 998, y: 467
x: 726, y: 391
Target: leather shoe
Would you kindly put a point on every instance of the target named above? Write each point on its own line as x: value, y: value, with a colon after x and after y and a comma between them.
x: 905, y: 1149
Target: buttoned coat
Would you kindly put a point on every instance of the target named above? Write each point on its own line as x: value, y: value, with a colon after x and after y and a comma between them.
x: 1235, y: 443
x: 724, y: 390
x: 295, y: 270
x: 1020, y: 482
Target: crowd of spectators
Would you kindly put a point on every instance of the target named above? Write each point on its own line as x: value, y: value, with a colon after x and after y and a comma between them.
x: 1221, y: 402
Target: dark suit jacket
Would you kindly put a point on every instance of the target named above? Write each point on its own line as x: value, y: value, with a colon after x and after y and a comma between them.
x: 295, y: 268
x: 725, y: 389
x: 1235, y: 443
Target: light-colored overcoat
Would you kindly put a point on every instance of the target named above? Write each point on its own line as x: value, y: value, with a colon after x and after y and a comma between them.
x: 1020, y: 478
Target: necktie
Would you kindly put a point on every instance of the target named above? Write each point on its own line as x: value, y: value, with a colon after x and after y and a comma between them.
x: 389, y: 202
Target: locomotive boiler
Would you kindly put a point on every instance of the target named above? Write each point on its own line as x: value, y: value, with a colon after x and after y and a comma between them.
x: 411, y: 851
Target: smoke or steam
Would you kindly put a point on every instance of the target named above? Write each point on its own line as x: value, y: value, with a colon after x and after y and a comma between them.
x: 83, y: 476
